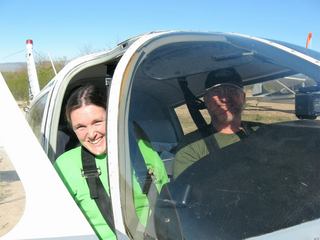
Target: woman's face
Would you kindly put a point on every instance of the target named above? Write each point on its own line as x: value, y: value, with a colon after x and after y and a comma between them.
x: 88, y: 123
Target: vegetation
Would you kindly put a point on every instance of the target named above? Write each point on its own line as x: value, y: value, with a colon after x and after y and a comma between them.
x: 18, y: 81
x: 18, y: 84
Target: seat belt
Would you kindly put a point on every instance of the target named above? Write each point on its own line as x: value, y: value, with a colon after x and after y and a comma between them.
x: 147, y: 184
x: 145, y: 179
x: 194, y: 105
x: 97, y: 192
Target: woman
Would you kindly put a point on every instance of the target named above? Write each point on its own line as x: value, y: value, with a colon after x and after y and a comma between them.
x: 86, y: 114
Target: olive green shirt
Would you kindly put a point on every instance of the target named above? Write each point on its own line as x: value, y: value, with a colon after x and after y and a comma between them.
x: 193, y: 152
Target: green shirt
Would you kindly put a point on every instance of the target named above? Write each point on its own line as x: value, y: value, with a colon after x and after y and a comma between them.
x: 69, y: 166
x: 197, y: 150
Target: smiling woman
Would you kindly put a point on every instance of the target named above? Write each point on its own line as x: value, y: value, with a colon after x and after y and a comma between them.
x: 86, y: 113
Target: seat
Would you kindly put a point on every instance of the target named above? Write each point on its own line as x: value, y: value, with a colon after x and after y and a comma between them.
x: 66, y: 140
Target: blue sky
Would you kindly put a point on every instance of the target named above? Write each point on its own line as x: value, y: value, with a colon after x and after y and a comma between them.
x: 69, y: 28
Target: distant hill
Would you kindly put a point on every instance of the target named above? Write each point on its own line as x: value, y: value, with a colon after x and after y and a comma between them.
x: 12, y: 67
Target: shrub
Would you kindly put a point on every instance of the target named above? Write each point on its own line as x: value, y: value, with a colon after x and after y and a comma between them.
x: 18, y: 81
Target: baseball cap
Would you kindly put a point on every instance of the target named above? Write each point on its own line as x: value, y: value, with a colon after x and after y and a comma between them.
x: 225, y: 76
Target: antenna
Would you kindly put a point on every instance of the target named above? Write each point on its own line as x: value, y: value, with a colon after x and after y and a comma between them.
x: 32, y: 73
x: 53, y: 67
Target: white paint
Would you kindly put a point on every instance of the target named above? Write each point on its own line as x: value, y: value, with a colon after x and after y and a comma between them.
x: 50, y: 212
x: 113, y: 140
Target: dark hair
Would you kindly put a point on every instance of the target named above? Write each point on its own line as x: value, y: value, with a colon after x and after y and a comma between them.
x: 85, y: 95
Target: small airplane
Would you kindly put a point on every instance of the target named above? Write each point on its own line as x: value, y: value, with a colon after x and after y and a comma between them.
x: 152, y: 80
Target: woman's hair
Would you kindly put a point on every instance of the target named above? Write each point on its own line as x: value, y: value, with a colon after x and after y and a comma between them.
x: 85, y: 95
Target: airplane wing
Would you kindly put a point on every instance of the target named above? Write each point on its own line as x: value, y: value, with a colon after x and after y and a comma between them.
x: 49, y: 210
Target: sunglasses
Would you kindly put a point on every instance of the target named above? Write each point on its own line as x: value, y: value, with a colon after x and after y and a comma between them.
x: 225, y: 90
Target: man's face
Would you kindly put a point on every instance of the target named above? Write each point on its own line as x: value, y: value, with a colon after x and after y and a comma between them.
x: 88, y: 123
x: 225, y: 102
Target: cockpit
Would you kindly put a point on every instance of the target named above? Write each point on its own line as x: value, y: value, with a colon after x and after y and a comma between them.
x: 260, y: 185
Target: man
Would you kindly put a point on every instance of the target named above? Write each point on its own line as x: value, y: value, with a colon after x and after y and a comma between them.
x: 224, y: 99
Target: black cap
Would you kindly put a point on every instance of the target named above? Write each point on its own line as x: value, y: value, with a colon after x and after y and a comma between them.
x: 225, y: 76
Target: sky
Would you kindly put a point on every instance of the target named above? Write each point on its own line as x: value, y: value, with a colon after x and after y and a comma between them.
x: 65, y: 29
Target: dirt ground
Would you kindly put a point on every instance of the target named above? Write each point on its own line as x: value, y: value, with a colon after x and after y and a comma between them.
x: 12, y: 196
x: 268, y: 112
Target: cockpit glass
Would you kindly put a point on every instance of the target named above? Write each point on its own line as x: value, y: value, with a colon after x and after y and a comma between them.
x: 211, y: 166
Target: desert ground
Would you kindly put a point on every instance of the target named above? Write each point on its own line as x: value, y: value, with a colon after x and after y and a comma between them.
x: 12, y: 196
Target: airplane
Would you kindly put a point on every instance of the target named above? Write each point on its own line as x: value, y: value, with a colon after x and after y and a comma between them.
x: 281, y: 90
x: 151, y: 80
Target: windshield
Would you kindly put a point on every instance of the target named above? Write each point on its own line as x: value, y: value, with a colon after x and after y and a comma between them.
x: 306, y: 51
x: 229, y: 151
